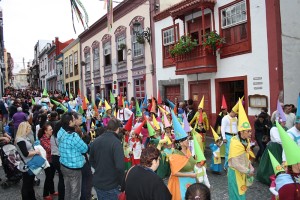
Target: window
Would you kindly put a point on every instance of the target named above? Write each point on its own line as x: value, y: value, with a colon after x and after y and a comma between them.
x: 123, y: 88
x: 168, y: 39
x: 107, y: 52
x: 87, y: 61
x: 137, y: 47
x: 96, y: 60
x: 71, y: 64
x: 233, y: 15
x: 139, y: 87
x: 76, y: 58
x: 66, y: 67
x: 121, y: 41
x: 235, y: 28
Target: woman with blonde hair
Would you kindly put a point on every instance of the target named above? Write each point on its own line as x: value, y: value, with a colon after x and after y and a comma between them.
x: 26, y: 151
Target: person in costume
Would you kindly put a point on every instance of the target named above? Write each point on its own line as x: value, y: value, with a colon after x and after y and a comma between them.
x: 228, y: 130
x: 215, y: 165
x: 264, y: 170
x: 218, y: 124
x: 199, y: 168
x: 288, y: 184
x: 126, y: 147
x: 108, y: 114
x: 123, y: 113
x: 92, y: 133
x: 200, y: 116
x: 240, y: 171
x: 135, y: 143
x: 294, y: 132
x: 181, y: 163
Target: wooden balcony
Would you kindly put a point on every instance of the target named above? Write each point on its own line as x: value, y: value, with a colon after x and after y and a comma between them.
x: 197, y: 61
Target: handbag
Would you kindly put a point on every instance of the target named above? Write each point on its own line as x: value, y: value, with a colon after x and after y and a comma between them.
x: 36, y: 165
x: 122, y: 195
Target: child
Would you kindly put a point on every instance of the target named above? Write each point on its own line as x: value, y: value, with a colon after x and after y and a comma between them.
x: 92, y: 133
x: 199, y: 168
x: 215, y: 165
x: 197, y: 191
x: 201, y: 130
x: 127, y: 150
x: 135, y: 144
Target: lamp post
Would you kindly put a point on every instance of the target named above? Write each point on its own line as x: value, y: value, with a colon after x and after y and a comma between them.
x: 146, y: 34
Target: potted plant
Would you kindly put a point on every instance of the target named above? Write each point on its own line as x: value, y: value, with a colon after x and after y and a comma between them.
x: 185, y: 45
x: 140, y: 39
x: 122, y: 46
x: 213, y: 41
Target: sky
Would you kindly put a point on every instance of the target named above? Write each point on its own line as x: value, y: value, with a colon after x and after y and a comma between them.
x: 27, y: 21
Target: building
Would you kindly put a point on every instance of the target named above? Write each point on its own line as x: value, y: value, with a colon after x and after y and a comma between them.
x: 2, y: 60
x: 20, y: 79
x: 53, y: 82
x: 10, y: 67
x: 121, y: 60
x: 43, y: 65
x: 71, y: 67
x: 247, y: 65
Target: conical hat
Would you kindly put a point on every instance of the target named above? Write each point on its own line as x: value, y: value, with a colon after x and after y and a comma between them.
x: 166, y: 121
x: 155, y: 123
x: 69, y: 108
x: 276, y: 166
x: 120, y: 100
x: 138, y: 112
x: 107, y: 106
x: 86, y: 100
x: 111, y: 98
x: 168, y: 139
x: 291, y: 149
x: 199, y: 154
x: 159, y: 101
x: 298, y: 111
x: 224, y: 104
x: 178, y: 130
x: 139, y: 128
x: 201, y: 104
x: 153, y: 107
x: 171, y: 104
x: 128, y: 125
x: 243, y: 122
x: 151, y: 130
x: 71, y: 96
x: 163, y: 110
x: 93, y: 125
x: 186, y: 125
x: 33, y: 102
x: 236, y: 107
x: 80, y: 110
x: 45, y: 93
x: 84, y: 104
x: 96, y: 111
x: 216, y: 136
x: 280, y: 114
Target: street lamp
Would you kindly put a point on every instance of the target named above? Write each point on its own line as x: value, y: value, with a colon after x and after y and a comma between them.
x: 141, y: 34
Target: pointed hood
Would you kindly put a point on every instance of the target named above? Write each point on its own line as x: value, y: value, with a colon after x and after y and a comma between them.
x: 166, y: 121
x: 163, y: 110
x: 138, y: 130
x: 159, y: 101
x: 243, y: 122
x: 298, y: 111
x: 216, y: 136
x: 86, y: 100
x: 151, y: 130
x: 32, y: 101
x: 96, y: 111
x: 93, y: 125
x: 201, y: 104
x: 178, y: 130
x: 186, y: 125
x: 84, y: 104
x: 145, y: 102
x: 80, y: 110
x: 153, y: 107
x: 291, y: 149
x: 111, y: 98
x: 155, y: 123
x: 107, y: 106
x: 224, y: 104
x: 45, y: 93
x: 236, y: 107
x: 275, y: 164
x: 199, y: 154
x: 128, y: 125
x: 171, y: 104
x: 138, y: 112
x: 280, y: 116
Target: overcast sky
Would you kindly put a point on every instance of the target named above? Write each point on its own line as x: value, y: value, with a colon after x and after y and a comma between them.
x: 27, y: 21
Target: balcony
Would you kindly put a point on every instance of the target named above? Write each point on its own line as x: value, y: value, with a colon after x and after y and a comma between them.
x: 51, y: 74
x: 197, y: 61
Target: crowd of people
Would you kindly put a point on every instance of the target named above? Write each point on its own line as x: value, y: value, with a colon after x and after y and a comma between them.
x: 132, y: 148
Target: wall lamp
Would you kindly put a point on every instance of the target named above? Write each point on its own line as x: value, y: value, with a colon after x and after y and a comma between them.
x: 146, y: 34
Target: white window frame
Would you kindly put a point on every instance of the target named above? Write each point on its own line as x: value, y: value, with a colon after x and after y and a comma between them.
x: 137, y: 48
x: 234, y: 15
x: 87, y: 61
x: 168, y: 36
x: 96, y: 58
x: 71, y: 63
x: 120, y: 40
x: 75, y: 57
x: 106, y: 49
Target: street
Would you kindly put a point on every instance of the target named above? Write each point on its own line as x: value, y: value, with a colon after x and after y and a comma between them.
x: 218, y: 185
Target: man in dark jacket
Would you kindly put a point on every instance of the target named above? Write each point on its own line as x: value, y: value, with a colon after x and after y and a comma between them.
x: 107, y: 158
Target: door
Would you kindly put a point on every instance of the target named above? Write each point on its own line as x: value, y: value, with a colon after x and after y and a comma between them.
x: 172, y: 92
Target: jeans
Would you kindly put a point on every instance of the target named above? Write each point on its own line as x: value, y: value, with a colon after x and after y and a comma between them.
x: 228, y: 138
x: 49, y: 183
x: 61, y: 184
x: 108, y: 195
x: 27, y: 187
x: 72, y: 179
x: 87, y: 182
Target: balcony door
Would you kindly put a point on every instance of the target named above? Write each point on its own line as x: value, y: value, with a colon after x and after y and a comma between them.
x: 195, y: 28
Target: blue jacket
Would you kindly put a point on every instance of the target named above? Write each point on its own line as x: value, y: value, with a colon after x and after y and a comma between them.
x: 71, y: 147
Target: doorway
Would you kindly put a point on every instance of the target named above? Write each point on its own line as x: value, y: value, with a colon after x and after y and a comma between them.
x: 108, y: 88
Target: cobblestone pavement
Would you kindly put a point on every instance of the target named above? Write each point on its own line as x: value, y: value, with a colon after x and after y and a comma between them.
x: 218, y: 183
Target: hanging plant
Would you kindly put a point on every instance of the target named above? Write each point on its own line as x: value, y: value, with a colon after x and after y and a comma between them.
x: 122, y: 46
x: 213, y: 41
x: 140, y: 39
x: 183, y: 46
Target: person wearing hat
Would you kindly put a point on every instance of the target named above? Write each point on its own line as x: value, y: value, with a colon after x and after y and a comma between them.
x: 123, y: 113
x: 200, y: 117
x: 215, y: 165
x: 240, y: 171
x: 181, y: 163
x: 294, y: 132
x: 264, y: 170
x: 108, y: 114
x: 228, y: 130
x: 288, y: 184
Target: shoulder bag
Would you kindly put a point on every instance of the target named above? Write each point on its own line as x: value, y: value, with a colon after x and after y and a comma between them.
x: 122, y: 195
